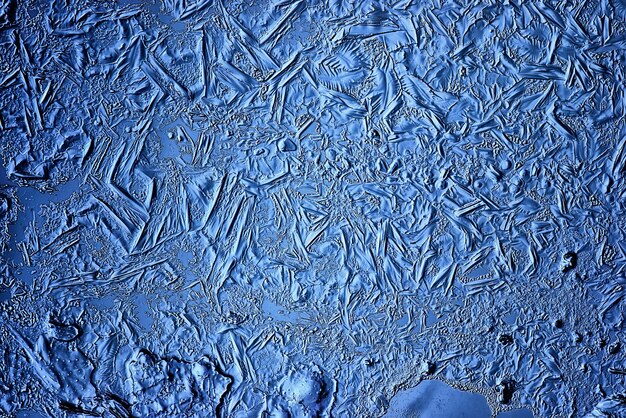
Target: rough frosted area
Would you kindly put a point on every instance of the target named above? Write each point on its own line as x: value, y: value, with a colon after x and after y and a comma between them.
x: 294, y: 208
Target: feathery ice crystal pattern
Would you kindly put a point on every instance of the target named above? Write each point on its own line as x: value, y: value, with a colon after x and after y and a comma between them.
x: 303, y: 208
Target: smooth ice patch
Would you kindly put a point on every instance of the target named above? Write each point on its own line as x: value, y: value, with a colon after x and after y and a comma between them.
x: 435, y: 399
x: 516, y: 413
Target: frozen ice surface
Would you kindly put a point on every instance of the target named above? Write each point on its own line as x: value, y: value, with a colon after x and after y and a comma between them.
x: 516, y: 413
x: 303, y: 208
x: 435, y: 399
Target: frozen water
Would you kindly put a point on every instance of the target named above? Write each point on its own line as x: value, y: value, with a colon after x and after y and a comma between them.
x: 435, y: 399
x: 309, y: 208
